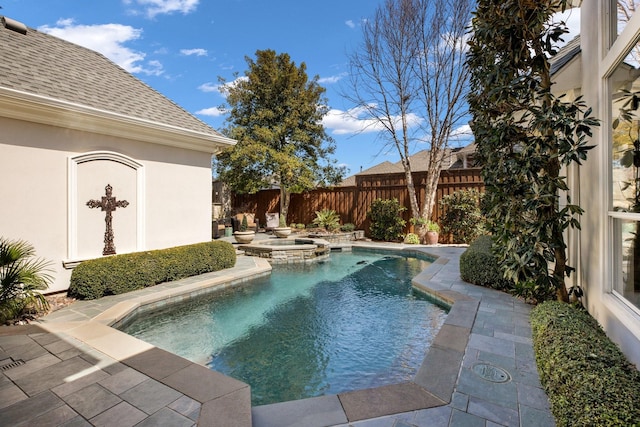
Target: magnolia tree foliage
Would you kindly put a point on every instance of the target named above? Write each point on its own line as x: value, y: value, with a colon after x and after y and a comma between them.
x: 525, y: 136
x: 275, y: 114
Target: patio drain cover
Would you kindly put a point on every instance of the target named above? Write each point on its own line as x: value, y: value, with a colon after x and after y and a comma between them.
x: 491, y: 373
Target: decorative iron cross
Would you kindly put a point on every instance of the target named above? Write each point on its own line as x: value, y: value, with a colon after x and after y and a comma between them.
x: 108, y: 204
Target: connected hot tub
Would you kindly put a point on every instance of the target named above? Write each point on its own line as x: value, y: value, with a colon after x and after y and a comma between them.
x: 285, y: 251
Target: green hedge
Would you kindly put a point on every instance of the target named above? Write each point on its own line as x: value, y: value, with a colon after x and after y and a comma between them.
x: 125, y: 273
x: 479, y: 266
x: 587, y: 378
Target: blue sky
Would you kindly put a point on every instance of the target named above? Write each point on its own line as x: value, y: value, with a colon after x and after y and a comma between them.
x: 180, y: 47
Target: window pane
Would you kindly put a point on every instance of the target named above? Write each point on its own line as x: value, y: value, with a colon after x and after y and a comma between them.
x: 625, y: 10
x: 625, y: 150
x: 627, y: 254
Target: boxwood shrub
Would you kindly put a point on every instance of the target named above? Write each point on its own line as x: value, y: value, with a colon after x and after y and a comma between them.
x: 479, y: 266
x: 587, y: 378
x: 124, y: 273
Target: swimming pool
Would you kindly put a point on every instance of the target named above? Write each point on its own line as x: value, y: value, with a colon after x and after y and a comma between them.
x: 349, y: 323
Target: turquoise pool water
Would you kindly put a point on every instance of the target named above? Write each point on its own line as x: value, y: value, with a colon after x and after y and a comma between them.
x: 349, y: 323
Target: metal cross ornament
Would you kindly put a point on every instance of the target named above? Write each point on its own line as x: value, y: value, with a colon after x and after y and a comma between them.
x: 108, y: 204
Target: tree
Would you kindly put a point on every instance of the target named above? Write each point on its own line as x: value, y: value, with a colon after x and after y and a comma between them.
x: 525, y: 136
x: 409, y: 77
x: 275, y: 115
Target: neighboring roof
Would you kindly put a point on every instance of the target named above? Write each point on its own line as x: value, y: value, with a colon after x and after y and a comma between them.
x: 565, y: 55
x: 40, y: 64
x: 419, y: 163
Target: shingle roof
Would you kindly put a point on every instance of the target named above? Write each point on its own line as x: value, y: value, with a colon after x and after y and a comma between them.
x: 41, y: 64
x: 565, y: 55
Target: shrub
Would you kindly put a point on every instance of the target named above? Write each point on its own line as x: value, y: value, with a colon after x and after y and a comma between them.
x: 124, y: 273
x: 348, y: 227
x: 412, y: 239
x: 328, y: 219
x: 587, y: 378
x: 21, y: 277
x: 462, y: 216
x: 300, y: 226
x: 479, y: 266
x: 386, y: 220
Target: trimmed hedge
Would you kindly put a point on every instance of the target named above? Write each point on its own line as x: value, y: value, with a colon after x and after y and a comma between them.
x: 128, y: 272
x: 479, y: 266
x: 587, y: 378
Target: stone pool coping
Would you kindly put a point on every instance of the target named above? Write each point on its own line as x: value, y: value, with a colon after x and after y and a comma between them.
x: 227, y: 399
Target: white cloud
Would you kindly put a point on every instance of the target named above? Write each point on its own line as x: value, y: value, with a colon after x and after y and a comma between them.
x: 211, y: 112
x: 196, y: 52
x: 160, y: 7
x: 209, y: 87
x: 109, y: 40
x: 350, y: 23
x: 354, y: 121
x: 332, y: 79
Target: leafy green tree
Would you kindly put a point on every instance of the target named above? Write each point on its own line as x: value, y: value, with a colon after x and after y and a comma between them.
x: 462, y: 216
x: 21, y: 277
x: 525, y: 136
x: 275, y: 114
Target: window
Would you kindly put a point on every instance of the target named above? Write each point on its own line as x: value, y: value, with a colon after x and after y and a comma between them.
x: 624, y: 194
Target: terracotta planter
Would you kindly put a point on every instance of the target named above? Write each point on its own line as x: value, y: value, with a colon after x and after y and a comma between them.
x: 244, y: 237
x: 432, y: 237
x: 282, y: 232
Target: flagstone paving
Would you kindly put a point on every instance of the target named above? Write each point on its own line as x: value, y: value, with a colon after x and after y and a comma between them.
x: 73, y: 369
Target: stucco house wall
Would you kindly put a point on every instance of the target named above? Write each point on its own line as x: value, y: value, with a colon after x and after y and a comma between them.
x: 60, y: 148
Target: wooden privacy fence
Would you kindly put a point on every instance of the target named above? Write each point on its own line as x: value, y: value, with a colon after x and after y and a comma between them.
x: 353, y: 202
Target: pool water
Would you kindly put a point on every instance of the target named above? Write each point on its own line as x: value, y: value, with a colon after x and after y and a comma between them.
x: 307, y: 330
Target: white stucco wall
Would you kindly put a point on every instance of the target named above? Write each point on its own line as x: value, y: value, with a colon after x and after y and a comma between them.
x: 621, y: 323
x: 34, y: 193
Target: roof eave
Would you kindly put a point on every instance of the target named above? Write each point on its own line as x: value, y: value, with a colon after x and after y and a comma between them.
x: 49, y: 111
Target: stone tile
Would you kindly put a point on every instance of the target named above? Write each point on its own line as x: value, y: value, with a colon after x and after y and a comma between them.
x: 462, y: 419
x: 433, y: 417
x: 151, y: 395
x: 8, y: 342
x: 22, y: 412
x: 201, y: 383
x: 32, y: 366
x: 45, y: 338
x: 78, y: 421
x: 69, y: 387
x: 387, y: 400
x: 533, y: 397
x: 452, y: 337
x: 492, y: 345
x: 532, y: 417
x: 11, y: 394
x: 314, y: 412
x: 459, y: 401
x: 166, y: 417
x: 503, y: 394
x: 123, y: 380
x: 58, y: 346
x: 54, y: 418
x: 157, y: 363
x: 186, y: 406
x: 439, y: 371
x: 29, y: 351
x: 51, y: 376
x: 231, y: 410
x: 490, y: 411
x: 92, y: 400
x: 121, y: 415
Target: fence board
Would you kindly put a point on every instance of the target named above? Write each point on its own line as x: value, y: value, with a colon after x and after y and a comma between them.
x: 352, y: 203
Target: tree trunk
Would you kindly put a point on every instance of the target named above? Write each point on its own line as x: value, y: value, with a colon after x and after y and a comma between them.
x: 285, y: 199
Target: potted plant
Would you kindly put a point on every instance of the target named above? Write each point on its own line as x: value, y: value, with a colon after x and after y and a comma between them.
x: 243, y: 235
x: 433, y: 232
x: 282, y: 231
